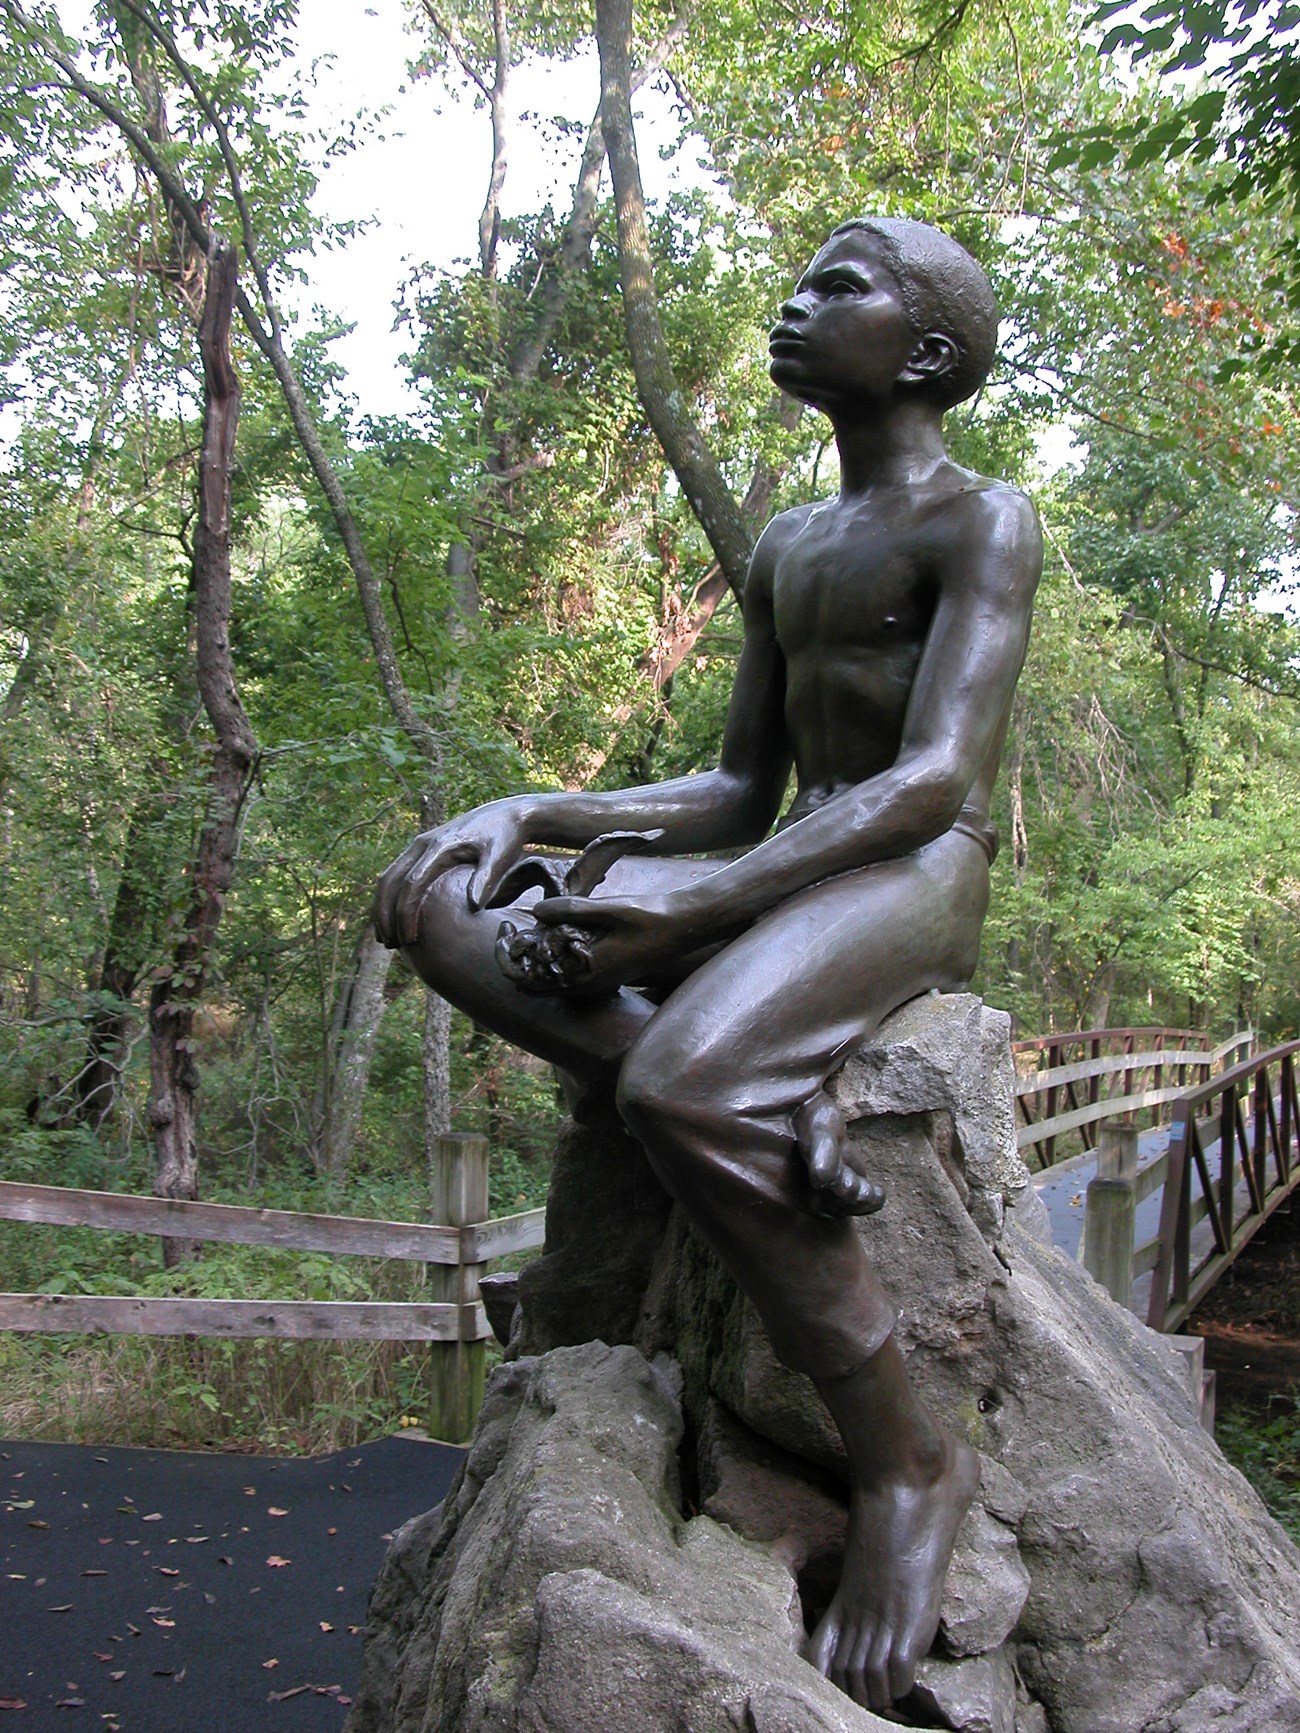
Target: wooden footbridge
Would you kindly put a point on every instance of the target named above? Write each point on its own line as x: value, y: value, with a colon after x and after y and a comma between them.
x: 1159, y: 1156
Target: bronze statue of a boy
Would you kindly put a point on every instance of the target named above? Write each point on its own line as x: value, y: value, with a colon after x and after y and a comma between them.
x: 884, y: 632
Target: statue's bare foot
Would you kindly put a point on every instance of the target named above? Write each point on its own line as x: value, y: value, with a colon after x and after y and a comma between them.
x: 838, y: 1188
x: 901, y: 1532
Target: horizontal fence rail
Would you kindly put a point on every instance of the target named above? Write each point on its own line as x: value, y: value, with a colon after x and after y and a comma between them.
x: 302, y: 1320
x: 234, y: 1224
x: 1239, y: 1137
x: 454, y: 1323
x: 1122, y: 1072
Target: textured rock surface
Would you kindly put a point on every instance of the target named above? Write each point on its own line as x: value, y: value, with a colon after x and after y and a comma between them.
x: 949, y: 1051
x: 1114, y: 1576
x: 978, y: 1695
x: 560, y: 1589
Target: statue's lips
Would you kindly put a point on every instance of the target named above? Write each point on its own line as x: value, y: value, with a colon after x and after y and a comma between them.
x: 784, y: 340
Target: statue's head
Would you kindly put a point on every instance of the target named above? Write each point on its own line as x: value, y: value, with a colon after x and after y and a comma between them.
x: 908, y: 293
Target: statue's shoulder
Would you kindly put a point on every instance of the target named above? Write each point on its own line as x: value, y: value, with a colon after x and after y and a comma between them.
x: 978, y: 513
x: 965, y: 492
x: 786, y: 525
x: 779, y: 533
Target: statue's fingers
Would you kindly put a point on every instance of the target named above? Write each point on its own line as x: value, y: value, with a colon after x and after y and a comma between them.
x: 507, y: 952
x: 484, y: 882
x: 388, y: 890
x: 569, y: 911
x: 867, y: 1197
x: 823, y: 1162
x: 843, y: 1183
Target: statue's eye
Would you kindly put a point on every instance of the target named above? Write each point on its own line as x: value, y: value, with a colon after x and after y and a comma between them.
x: 843, y: 286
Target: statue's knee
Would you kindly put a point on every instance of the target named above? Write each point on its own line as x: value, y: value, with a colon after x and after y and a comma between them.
x: 443, y: 906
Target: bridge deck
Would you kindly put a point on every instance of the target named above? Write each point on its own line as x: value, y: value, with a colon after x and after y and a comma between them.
x: 1064, y: 1189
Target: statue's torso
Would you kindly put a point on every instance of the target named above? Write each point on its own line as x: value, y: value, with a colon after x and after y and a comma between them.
x: 855, y: 590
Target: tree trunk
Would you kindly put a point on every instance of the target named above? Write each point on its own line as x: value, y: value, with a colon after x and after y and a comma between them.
x: 172, y: 1003
x: 358, y: 1011
x: 684, y: 446
x: 436, y: 1065
x: 435, y: 1047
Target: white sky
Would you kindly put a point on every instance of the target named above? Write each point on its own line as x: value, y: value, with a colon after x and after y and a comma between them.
x: 423, y: 176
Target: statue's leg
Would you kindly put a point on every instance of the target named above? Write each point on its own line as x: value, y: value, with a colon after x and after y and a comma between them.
x: 714, y: 1087
x: 455, y: 953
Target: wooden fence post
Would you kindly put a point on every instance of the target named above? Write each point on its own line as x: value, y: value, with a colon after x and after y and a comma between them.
x: 456, y: 1369
x: 1111, y: 1212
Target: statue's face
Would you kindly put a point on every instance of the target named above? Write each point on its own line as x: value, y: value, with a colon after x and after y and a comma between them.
x: 844, y: 335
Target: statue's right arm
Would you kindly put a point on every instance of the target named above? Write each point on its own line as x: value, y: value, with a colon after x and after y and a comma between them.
x: 731, y: 806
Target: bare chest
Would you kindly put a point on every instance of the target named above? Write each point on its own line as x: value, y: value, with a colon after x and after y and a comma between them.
x: 852, y: 589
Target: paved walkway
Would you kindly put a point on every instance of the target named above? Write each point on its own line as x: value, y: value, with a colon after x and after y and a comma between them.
x: 173, y: 1592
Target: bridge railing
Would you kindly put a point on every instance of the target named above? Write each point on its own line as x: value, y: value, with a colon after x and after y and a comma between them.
x: 1239, y: 1135
x: 1068, y: 1084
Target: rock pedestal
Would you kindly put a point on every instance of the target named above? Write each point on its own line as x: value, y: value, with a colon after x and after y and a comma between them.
x: 653, y: 1506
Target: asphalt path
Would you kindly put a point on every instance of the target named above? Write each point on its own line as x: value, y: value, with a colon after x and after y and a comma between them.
x: 1064, y: 1188
x: 151, y: 1591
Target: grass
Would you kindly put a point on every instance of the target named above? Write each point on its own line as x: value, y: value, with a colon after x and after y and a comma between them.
x: 208, y: 1393
x: 1266, y: 1448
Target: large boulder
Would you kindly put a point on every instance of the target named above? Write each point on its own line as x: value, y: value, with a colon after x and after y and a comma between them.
x: 562, y: 1587
x: 654, y: 1505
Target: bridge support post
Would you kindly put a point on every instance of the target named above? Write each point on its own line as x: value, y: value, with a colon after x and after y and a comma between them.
x: 1111, y: 1212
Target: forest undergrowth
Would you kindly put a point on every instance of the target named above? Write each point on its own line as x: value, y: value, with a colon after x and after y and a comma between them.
x: 204, y: 1393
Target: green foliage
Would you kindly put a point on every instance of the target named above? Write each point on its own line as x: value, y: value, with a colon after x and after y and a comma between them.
x: 1267, y: 1451
x: 1149, y: 806
x: 1244, y: 112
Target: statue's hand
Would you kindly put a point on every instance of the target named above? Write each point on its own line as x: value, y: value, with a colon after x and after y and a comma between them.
x: 838, y: 1189
x: 603, y: 943
x: 490, y: 839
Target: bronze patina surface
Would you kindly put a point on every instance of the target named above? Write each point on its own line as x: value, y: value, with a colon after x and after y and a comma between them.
x: 884, y: 632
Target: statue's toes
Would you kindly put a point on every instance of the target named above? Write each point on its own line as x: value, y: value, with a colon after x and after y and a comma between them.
x: 849, y: 1194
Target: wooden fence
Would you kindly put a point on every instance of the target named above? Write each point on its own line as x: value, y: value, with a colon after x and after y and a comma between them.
x: 1070, y: 1084
x: 456, y: 1252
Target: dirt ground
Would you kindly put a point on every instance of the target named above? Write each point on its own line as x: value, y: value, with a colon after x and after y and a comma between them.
x: 1251, y: 1320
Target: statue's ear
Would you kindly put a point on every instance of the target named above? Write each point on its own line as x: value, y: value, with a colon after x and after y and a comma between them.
x: 933, y: 357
